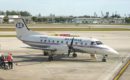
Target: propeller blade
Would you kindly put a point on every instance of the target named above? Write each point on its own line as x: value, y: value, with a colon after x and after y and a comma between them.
x: 71, y: 44
x: 70, y: 47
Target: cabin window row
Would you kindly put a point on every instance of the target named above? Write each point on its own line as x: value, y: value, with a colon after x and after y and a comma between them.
x: 63, y: 42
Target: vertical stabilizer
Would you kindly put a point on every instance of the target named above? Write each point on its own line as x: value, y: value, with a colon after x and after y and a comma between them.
x: 22, y: 30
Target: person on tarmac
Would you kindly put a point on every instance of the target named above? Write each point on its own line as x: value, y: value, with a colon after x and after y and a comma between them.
x: 3, y: 59
x: 1, y: 62
x: 10, y: 60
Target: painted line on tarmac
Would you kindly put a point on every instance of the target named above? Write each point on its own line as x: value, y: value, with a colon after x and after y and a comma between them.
x: 122, y: 70
x: 111, y: 71
x: 7, y: 35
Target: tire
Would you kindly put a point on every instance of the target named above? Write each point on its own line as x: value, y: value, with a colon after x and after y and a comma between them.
x: 104, y: 60
x: 6, y: 66
x: 50, y: 58
x: 74, y: 55
x: 46, y: 53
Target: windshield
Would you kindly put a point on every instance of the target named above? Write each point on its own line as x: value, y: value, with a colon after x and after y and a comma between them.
x: 99, y: 42
x: 96, y: 43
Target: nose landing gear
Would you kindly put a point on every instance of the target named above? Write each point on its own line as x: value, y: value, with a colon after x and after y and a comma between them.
x: 104, y: 59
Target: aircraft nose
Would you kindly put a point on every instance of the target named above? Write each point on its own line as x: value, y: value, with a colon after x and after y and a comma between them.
x: 112, y: 51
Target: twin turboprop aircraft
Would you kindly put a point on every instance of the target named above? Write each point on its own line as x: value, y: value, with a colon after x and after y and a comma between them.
x: 54, y: 45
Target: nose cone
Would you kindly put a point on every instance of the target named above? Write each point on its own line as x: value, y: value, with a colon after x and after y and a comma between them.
x: 111, y: 51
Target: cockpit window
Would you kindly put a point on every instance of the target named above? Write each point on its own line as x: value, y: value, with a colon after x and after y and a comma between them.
x: 96, y: 43
x: 92, y: 43
x: 99, y: 42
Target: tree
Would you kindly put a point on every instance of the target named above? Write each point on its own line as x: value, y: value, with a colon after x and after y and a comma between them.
x: 39, y: 19
x: 44, y: 19
x: 127, y: 20
x: 2, y: 13
x: 115, y: 16
x: 11, y: 12
x: 24, y: 13
x: 34, y: 19
x: 6, y: 20
x: 107, y: 15
x: 60, y: 19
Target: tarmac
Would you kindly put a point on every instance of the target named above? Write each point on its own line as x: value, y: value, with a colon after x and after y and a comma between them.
x: 126, y: 75
x: 32, y: 65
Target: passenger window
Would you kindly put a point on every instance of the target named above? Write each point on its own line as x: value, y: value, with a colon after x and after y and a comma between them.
x: 57, y: 41
x: 45, y: 41
x: 61, y: 41
x: 49, y: 41
x: 53, y: 41
x: 41, y: 40
x: 76, y: 43
x: 81, y: 43
x: 66, y: 42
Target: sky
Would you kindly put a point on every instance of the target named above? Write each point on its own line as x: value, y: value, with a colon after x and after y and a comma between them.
x: 67, y: 7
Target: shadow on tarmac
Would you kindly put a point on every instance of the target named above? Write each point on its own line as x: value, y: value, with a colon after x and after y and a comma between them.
x: 31, y: 59
x: 2, y: 79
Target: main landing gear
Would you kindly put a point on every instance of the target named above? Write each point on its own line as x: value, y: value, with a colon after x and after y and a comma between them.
x: 104, y: 59
x: 45, y: 53
x: 74, y: 55
x: 50, y: 58
x: 49, y: 54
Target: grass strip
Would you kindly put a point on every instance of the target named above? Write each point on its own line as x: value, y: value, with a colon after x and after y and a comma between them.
x: 70, y: 29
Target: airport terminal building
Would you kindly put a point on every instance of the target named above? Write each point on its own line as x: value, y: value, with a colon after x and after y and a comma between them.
x: 1, y: 18
x: 11, y: 18
x: 99, y: 20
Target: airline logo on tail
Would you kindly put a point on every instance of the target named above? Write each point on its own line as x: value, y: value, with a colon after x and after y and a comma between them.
x: 19, y: 25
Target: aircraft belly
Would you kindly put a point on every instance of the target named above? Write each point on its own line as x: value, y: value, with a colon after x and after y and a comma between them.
x: 36, y: 44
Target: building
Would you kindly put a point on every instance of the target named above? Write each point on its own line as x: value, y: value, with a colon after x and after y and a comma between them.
x: 99, y: 20
x: 2, y: 18
x: 11, y: 18
x: 27, y: 19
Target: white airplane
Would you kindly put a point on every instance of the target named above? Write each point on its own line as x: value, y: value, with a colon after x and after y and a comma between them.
x: 54, y: 45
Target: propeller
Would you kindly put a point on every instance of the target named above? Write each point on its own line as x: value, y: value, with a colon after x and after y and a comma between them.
x: 70, y: 47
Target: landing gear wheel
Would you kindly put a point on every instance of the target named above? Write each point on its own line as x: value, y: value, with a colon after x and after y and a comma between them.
x: 104, y: 60
x: 74, y: 55
x: 45, y: 53
x: 50, y: 58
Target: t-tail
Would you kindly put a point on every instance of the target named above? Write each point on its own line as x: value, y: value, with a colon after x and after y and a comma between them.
x: 22, y: 30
